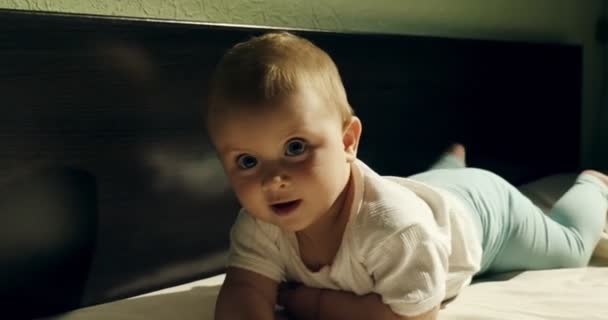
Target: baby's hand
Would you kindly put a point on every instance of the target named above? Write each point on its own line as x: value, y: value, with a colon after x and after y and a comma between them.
x: 299, y: 300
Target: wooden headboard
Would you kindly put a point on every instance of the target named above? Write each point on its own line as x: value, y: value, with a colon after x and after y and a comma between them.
x: 122, y: 100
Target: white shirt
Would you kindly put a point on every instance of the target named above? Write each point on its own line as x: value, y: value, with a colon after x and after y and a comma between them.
x: 412, y: 244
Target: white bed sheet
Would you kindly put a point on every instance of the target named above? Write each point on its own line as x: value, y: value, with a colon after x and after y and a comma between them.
x: 532, y: 295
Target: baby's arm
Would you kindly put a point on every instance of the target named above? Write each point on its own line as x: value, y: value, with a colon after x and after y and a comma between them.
x: 333, y: 304
x: 246, y: 295
x: 346, y: 305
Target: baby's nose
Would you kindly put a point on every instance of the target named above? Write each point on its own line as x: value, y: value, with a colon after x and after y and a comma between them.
x: 276, y: 182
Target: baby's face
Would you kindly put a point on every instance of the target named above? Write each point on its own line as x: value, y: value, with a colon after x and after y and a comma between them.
x: 287, y: 162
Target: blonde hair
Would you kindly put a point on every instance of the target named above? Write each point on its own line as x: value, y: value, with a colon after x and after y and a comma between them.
x: 273, y: 65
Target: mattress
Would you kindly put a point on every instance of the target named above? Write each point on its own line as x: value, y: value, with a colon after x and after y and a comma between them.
x: 577, y: 293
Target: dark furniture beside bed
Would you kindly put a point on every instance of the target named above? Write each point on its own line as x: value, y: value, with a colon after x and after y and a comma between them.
x: 121, y: 99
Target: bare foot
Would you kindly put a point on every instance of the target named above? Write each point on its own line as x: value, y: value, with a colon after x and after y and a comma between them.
x: 601, y: 176
x: 457, y: 150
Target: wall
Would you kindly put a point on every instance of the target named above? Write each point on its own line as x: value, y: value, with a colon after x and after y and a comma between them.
x: 602, y: 120
x: 565, y: 21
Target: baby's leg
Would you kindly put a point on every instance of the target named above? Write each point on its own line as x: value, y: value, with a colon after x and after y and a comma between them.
x: 566, y: 237
x: 453, y: 158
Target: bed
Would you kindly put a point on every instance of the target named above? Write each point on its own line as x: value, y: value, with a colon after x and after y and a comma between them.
x: 120, y: 99
x: 531, y: 295
x: 575, y: 293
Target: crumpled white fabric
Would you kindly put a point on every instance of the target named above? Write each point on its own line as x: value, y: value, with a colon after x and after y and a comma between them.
x: 559, y: 294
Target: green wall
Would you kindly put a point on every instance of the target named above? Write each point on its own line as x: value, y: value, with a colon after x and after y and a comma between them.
x: 566, y: 21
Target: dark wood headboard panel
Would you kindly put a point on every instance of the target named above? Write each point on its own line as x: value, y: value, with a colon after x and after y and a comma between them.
x: 122, y: 99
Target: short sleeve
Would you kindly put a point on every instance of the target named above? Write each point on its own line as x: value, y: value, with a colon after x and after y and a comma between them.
x: 410, y: 269
x: 253, y: 246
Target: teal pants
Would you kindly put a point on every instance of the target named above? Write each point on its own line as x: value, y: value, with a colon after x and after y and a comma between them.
x: 515, y: 233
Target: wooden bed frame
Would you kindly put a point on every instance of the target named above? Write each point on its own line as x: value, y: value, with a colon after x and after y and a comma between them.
x: 121, y: 99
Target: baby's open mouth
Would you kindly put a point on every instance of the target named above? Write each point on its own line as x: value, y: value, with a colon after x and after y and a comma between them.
x: 283, y: 208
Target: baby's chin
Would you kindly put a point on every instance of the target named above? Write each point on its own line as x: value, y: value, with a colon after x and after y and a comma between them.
x: 291, y: 224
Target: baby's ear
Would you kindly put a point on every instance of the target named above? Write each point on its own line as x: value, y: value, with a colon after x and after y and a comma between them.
x: 350, y: 138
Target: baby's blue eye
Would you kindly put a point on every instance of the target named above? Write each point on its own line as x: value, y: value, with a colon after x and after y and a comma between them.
x: 246, y: 161
x: 295, y: 147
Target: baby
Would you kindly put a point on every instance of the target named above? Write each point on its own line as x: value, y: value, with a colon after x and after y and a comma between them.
x: 360, y: 245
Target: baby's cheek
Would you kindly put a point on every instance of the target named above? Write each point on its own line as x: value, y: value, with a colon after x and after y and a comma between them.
x: 315, y: 162
x: 309, y: 171
x: 244, y: 191
x: 317, y: 177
